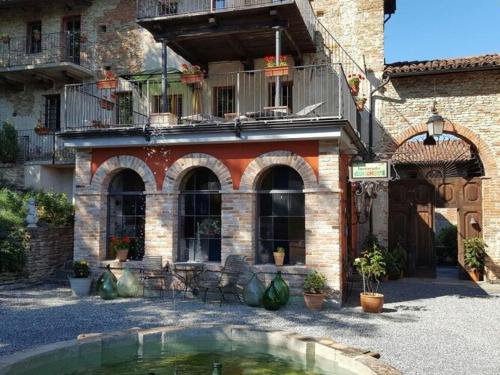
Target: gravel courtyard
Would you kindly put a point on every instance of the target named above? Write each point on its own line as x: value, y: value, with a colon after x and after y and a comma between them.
x: 428, y: 327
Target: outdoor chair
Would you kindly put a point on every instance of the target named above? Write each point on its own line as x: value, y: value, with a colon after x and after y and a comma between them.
x: 227, y: 279
x: 153, y: 274
x: 282, y: 112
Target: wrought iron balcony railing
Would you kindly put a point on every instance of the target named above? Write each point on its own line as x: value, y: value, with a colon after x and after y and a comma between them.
x: 305, y: 92
x: 43, y: 146
x: 42, y: 49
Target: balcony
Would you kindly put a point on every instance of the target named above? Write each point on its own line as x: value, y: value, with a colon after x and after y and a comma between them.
x: 308, y: 95
x: 50, y: 57
x: 234, y: 29
x: 37, y: 147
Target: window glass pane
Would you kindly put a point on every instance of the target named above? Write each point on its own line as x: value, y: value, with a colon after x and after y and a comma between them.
x: 215, y: 204
x: 214, y: 253
x: 280, y: 204
x: 280, y: 231
x: 266, y: 228
x: 188, y: 207
x: 296, y: 204
x: 265, y: 204
x: 189, y: 227
x: 296, y: 228
x: 265, y: 252
x: 202, y: 202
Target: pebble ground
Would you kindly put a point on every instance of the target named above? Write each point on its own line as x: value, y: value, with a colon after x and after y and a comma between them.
x: 428, y: 327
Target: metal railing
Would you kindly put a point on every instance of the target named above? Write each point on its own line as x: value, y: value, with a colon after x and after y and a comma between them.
x: 44, y: 49
x: 43, y: 145
x: 306, y: 92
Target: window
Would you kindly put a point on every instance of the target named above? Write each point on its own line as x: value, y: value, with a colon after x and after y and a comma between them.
x: 219, y: 4
x: 166, y: 7
x: 281, y: 222
x: 286, y: 94
x: 34, y: 37
x: 124, y: 108
x: 174, y: 104
x: 72, y: 38
x: 52, y: 112
x: 223, y: 100
x: 200, y: 217
x: 126, y: 211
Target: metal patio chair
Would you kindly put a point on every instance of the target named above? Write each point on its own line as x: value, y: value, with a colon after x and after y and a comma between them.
x: 227, y: 280
x: 153, y: 274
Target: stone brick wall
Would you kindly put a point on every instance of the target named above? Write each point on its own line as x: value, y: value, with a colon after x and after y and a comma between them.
x: 12, y: 174
x: 469, y: 103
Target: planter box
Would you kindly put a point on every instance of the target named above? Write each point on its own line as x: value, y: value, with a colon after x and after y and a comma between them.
x: 80, y: 286
x: 107, y: 84
x: 106, y: 104
x: 158, y: 120
x: 43, y: 131
x: 98, y: 124
x: 192, y: 78
x: 277, y: 71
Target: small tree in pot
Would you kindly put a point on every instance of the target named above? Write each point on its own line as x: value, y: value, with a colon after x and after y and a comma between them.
x: 474, y: 254
x: 81, y: 282
x: 371, y: 266
x: 314, y: 290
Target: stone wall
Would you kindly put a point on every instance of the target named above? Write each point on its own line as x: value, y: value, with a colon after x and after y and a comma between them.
x: 12, y: 174
x: 469, y: 103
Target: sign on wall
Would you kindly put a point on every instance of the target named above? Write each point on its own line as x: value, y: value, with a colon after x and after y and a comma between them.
x: 374, y: 170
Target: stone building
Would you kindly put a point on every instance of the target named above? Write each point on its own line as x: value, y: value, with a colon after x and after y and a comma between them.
x: 231, y: 158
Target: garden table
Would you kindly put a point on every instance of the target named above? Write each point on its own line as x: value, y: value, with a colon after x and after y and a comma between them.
x: 189, y: 273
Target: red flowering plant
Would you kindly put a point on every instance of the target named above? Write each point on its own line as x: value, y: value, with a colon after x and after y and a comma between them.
x: 119, y: 243
x: 355, y: 79
x: 191, y: 69
x: 109, y: 75
x: 271, y: 61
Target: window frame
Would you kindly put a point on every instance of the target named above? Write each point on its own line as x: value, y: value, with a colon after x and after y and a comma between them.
x: 47, y: 110
x: 229, y: 108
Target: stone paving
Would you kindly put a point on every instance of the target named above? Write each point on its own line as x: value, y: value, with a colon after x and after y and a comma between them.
x: 428, y: 327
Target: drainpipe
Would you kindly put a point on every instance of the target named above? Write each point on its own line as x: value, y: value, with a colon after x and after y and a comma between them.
x: 385, y: 81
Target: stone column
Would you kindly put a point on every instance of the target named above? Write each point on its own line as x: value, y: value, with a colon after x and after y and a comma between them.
x: 161, y: 213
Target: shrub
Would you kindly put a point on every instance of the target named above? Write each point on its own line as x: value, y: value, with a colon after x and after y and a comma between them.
x: 53, y: 208
x: 474, y: 252
x: 314, y: 283
x: 13, y: 251
x: 9, y: 148
x: 447, y: 237
x: 81, y: 269
x: 371, y: 266
x: 12, y: 211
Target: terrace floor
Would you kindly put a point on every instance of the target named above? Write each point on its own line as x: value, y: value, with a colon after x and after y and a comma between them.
x: 438, y: 326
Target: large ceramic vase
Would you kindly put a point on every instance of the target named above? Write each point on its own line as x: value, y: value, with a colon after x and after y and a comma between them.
x: 128, y: 285
x: 282, y: 288
x: 106, y: 285
x: 372, y: 302
x: 253, y: 292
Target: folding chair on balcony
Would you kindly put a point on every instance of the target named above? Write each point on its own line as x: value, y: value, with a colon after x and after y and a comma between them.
x: 227, y: 279
x: 281, y: 112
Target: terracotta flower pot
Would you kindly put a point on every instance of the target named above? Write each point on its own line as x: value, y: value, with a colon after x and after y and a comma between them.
x: 122, y: 255
x: 107, y: 84
x: 372, y: 302
x: 475, y: 275
x: 276, y: 71
x: 192, y: 78
x: 354, y: 86
x: 43, y: 131
x: 279, y: 258
x: 314, y: 301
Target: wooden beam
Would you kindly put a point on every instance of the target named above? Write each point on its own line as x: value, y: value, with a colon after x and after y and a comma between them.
x: 297, y: 54
x: 235, y: 44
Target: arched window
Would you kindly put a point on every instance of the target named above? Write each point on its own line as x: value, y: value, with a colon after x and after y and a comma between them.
x: 126, y: 212
x: 200, y: 217
x: 280, y: 223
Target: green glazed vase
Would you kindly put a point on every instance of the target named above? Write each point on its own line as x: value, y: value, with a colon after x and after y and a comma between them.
x: 253, y: 292
x: 106, y: 285
x: 282, y: 289
x: 128, y: 285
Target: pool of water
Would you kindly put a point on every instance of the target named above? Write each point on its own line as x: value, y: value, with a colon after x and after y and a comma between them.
x: 186, y: 352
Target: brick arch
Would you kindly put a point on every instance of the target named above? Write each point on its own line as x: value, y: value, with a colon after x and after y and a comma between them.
x: 177, y: 171
x: 485, y: 153
x: 109, y: 168
x: 269, y: 159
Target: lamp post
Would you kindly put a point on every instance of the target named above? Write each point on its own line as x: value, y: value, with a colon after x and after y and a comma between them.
x: 435, y: 126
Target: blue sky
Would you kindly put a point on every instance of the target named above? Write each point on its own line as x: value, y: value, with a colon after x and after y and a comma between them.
x: 431, y: 29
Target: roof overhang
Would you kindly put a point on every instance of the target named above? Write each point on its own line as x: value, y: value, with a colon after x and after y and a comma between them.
x: 65, y: 72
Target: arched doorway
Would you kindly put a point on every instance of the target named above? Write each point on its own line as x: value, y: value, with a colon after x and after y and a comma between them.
x: 280, y: 215
x: 200, y: 217
x: 436, y: 202
x: 126, y: 212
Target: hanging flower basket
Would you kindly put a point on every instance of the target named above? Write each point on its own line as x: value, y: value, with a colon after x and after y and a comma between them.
x: 109, y: 81
x: 274, y: 68
x: 42, y: 130
x: 354, y: 80
x: 192, y: 78
x: 360, y: 103
x: 106, y: 104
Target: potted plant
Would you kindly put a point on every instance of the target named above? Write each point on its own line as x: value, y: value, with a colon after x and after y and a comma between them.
x: 395, y: 259
x: 371, y: 266
x: 81, y: 282
x: 354, y: 80
x: 314, y: 290
x: 4, y: 38
x: 109, y: 82
x: 191, y: 74
x: 279, y: 256
x: 120, y: 247
x: 276, y: 68
x: 360, y: 103
x: 41, y: 129
x: 474, y: 254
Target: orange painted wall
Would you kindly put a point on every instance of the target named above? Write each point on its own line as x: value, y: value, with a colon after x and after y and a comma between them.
x: 235, y: 156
